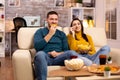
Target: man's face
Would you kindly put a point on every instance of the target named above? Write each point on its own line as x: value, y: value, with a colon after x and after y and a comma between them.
x: 52, y: 19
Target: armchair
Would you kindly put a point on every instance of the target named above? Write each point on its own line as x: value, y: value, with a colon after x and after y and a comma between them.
x: 22, y: 59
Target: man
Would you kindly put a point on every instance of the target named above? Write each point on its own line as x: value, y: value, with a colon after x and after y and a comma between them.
x: 51, y: 46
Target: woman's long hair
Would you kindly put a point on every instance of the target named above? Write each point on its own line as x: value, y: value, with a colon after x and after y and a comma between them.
x: 82, y: 29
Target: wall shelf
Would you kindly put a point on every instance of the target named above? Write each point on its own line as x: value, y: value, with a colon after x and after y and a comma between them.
x: 2, y: 30
x: 83, y: 13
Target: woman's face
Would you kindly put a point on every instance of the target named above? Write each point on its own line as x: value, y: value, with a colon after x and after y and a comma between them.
x: 76, y: 25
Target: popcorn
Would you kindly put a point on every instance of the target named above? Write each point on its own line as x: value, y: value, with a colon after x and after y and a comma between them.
x: 74, y: 64
x: 84, y: 47
x: 53, y: 25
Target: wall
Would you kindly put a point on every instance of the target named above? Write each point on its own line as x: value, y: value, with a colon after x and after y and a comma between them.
x: 116, y: 43
x: 31, y: 8
x: 100, y: 21
x: 36, y: 7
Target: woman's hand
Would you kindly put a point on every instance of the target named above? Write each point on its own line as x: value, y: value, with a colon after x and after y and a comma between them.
x: 83, y: 51
x: 72, y: 31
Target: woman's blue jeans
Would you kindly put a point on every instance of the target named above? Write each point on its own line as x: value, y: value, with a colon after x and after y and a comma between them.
x: 42, y: 60
x: 95, y: 58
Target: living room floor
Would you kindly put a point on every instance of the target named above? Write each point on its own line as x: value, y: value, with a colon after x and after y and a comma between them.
x: 6, y: 70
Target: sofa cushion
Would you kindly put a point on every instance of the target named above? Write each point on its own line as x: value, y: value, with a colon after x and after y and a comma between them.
x: 66, y: 30
x: 32, y: 52
x: 98, y: 35
x: 25, y: 37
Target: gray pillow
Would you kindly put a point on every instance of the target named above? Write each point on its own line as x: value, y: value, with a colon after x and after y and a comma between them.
x: 32, y: 52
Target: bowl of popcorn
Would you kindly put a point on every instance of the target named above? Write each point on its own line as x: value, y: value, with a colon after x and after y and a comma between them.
x: 84, y: 47
x: 74, y: 64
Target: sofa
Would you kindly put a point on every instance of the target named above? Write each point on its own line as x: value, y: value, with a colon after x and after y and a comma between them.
x: 22, y: 58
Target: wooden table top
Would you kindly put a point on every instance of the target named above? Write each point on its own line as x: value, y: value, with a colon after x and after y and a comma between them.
x: 63, y: 72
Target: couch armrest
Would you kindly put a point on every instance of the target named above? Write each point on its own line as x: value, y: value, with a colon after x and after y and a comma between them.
x: 22, y: 65
x: 115, y: 54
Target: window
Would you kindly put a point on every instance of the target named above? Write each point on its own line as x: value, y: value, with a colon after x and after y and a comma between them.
x: 111, y: 19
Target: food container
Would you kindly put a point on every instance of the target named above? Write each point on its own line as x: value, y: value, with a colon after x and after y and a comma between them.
x: 74, y: 64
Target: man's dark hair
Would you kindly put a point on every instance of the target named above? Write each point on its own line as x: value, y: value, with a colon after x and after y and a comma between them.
x: 51, y: 12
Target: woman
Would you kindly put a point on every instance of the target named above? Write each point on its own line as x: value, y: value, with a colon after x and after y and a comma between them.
x: 78, y: 40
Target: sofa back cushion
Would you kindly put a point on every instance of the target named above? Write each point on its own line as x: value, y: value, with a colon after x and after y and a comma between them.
x: 66, y: 30
x: 98, y: 35
x: 25, y: 37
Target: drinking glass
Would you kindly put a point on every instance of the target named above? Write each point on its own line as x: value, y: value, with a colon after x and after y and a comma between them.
x: 73, y: 57
x: 102, y: 59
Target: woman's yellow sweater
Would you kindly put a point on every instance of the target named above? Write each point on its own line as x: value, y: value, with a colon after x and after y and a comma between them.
x: 73, y: 43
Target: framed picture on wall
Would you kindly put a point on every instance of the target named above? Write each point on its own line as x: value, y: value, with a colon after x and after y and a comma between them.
x: 13, y: 3
x: 77, y: 13
x: 59, y: 3
x: 32, y: 21
x: 69, y: 3
x: 88, y: 3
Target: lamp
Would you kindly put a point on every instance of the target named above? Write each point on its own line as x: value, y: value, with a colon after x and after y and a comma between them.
x: 85, y: 23
x: 91, y: 23
x: 88, y: 22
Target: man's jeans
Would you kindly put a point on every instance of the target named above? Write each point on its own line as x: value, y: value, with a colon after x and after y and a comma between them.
x: 42, y: 60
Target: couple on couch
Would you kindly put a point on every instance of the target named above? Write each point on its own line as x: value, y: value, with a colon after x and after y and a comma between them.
x: 52, y: 46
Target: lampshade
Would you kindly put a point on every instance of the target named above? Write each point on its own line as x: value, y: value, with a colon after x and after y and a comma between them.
x: 91, y: 23
x: 85, y: 23
x: 88, y: 23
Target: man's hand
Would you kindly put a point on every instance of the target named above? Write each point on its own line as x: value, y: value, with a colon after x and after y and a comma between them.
x: 52, y: 31
x: 54, y: 53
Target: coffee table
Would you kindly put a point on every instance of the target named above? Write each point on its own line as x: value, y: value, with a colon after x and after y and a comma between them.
x: 96, y: 77
x: 82, y: 74
x: 100, y: 76
x: 63, y: 72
